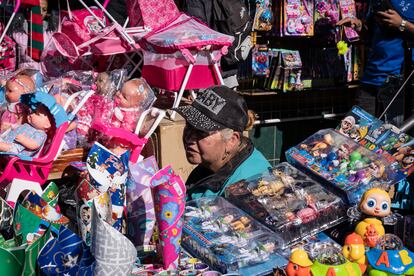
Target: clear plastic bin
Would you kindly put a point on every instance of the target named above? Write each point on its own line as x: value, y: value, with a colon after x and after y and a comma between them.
x: 288, y: 202
x: 229, y: 240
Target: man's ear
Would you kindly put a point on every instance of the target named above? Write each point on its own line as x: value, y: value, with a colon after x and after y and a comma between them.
x: 235, y: 138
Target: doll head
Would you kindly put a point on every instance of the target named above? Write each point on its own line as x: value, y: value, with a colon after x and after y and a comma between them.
x: 347, y: 124
x: 43, y: 8
x: 135, y: 93
x: 375, y: 202
x: 102, y: 83
x: 18, y: 85
x: 41, y: 118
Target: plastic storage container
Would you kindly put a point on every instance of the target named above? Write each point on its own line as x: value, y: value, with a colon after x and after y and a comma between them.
x: 346, y: 165
x: 288, y: 202
x: 229, y: 240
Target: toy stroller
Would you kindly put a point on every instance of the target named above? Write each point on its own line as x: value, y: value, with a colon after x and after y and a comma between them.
x: 36, y: 169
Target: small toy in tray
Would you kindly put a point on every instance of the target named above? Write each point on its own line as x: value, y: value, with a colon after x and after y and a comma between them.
x: 346, y: 165
x: 288, y: 202
x: 229, y: 240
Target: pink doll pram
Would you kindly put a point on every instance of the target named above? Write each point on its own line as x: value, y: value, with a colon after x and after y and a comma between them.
x: 182, y: 47
x: 37, y: 169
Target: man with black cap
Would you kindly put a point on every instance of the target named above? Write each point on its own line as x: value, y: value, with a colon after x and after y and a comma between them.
x: 213, y: 140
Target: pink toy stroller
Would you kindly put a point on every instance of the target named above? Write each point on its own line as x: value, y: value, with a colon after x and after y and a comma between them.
x: 178, y: 47
x: 139, y: 138
x: 37, y: 169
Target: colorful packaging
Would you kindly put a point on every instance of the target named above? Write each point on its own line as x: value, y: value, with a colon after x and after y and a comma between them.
x: 169, y: 193
x: 298, y: 18
x: 140, y: 205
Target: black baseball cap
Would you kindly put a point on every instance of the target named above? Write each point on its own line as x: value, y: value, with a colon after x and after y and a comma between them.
x: 216, y: 108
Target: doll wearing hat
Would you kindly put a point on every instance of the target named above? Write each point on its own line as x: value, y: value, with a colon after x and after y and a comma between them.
x: 28, y: 138
x: 135, y: 97
x: 15, y: 112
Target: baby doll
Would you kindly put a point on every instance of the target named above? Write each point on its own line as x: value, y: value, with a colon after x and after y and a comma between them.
x: 135, y: 97
x: 29, y: 137
x: 15, y: 112
x: 71, y: 137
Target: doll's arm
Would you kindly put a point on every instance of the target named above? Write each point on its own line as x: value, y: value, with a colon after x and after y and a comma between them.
x: 5, y: 147
x: 71, y: 126
x: 27, y: 142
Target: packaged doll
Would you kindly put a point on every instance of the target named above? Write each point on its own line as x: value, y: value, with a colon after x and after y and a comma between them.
x: 28, y: 138
x: 15, y: 112
x: 135, y: 97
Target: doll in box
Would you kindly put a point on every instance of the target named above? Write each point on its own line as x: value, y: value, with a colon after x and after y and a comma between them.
x: 135, y: 97
x: 15, y: 112
x: 28, y: 138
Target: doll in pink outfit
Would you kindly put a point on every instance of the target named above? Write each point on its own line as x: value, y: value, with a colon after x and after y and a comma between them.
x: 135, y: 97
x: 28, y: 138
x: 15, y: 112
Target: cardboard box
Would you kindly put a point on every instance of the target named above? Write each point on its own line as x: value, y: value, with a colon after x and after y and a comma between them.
x: 170, y: 148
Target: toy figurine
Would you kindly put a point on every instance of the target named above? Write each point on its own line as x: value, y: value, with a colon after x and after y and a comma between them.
x: 15, y: 113
x: 374, y: 205
x: 28, y: 138
x: 347, y: 125
x: 299, y: 263
x: 354, y: 250
x: 389, y: 258
x: 135, y: 97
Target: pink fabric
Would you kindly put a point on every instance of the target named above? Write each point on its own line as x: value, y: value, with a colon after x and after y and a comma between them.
x: 184, y: 32
x: 7, y: 54
x: 202, y: 76
x: 151, y: 13
x: 129, y: 121
x: 9, y: 119
x: 96, y: 109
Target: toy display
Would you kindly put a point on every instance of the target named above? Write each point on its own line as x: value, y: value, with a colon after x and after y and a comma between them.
x: 288, y: 202
x: 264, y: 16
x: 298, y: 18
x: 375, y: 208
x: 346, y: 165
x: 390, y: 257
x: 229, y: 240
x: 384, y: 139
x: 260, y: 62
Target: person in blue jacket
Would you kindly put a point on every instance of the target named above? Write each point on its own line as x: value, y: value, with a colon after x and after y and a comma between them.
x: 213, y: 139
x: 391, y: 23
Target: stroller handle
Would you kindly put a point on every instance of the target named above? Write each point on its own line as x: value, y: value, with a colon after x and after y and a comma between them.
x: 17, y: 6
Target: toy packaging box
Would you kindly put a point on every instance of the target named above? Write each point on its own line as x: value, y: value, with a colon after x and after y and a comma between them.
x: 288, y: 202
x: 312, y: 245
x: 298, y: 18
x: 344, y: 164
x: 379, y: 137
x: 229, y: 240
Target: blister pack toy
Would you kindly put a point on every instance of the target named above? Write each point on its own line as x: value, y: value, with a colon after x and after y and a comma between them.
x: 229, y: 240
x: 264, y: 16
x: 260, y: 61
x: 379, y: 137
x: 288, y: 202
x: 298, y: 18
x: 345, y: 164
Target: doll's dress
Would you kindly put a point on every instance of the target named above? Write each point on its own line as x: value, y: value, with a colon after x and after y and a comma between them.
x: 126, y: 118
x: 9, y: 118
x: 28, y: 131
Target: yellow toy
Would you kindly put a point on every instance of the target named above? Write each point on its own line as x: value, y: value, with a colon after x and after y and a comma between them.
x: 299, y: 263
x: 354, y: 250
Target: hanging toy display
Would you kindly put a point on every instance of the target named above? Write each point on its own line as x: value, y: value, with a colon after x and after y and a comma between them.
x: 298, y: 18
x: 263, y: 17
x: 375, y: 208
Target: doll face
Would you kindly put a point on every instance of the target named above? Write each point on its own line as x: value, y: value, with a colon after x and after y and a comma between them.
x: 39, y: 119
x: 376, y: 204
x: 102, y: 83
x: 18, y: 86
x: 131, y: 94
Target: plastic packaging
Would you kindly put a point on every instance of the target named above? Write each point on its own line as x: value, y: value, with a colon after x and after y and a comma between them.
x: 346, y: 165
x: 288, y: 202
x: 229, y: 240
